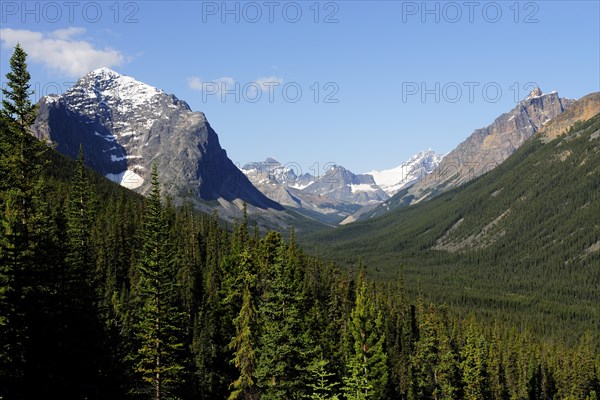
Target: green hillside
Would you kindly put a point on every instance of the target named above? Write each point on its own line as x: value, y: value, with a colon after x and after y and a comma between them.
x: 520, y: 243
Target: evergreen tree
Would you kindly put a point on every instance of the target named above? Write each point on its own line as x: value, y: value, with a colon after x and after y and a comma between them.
x: 474, y: 354
x: 281, y: 358
x: 26, y: 248
x: 578, y: 377
x: 80, y: 222
x: 367, y: 365
x: 16, y: 105
x: 433, y: 361
x: 495, y: 367
x: 321, y: 386
x: 81, y: 330
x: 244, y: 342
x: 404, y: 339
x: 158, y: 317
x: 446, y: 370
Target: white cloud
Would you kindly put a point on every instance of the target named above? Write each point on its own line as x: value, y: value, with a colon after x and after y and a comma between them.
x: 195, y: 83
x: 62, y: 50
x: 67, y: 33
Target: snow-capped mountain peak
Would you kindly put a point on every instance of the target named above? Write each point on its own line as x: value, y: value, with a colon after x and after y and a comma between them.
x: 104, y: 71
x: 408, y: 173
x: 110, y: 87
x: 119, y: 112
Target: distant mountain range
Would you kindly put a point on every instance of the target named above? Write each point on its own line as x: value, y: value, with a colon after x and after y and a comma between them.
x: 338, y: 193
x: 426, y: 174
x: 125, y: 126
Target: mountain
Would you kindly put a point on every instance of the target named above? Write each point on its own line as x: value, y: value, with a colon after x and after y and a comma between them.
x: 281, y: 183
x: 125, y: 126
x: 275, y: 172
x: 408, y: 173
x: 524, y: 237
x: 338, y: 183
x: 339, y: 196
x: 398, y: 179
x: 487, y: 147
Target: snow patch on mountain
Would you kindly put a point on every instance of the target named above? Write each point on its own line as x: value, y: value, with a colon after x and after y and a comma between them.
x: 363, y: 187
x: 127, y: 178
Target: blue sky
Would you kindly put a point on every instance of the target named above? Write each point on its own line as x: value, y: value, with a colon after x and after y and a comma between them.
x: 364, y: 84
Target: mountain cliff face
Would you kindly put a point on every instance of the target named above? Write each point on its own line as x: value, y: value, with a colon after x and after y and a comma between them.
x: 125, y: 126
x: 581, y: 110
x: 487, y: 147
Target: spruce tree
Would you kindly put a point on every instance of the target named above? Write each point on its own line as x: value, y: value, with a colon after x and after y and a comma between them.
x: 82, y: 330
x: 495, y: 367
x: 322, y: 386
x: 367, y: 366
x: 281, y: 363
x: 25, y: 248
x: 581, y: 376
x: 80, y: 222
x: 473, y: 367
x: 16, y: 104
x: 425, y: 356
x: 158, y: 317
x: 244, y: 342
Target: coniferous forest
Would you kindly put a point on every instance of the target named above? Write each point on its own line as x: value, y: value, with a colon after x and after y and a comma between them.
x: 105, y: 294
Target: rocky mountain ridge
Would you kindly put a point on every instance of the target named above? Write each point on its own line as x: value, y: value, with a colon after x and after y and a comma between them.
x: 488, y: 147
